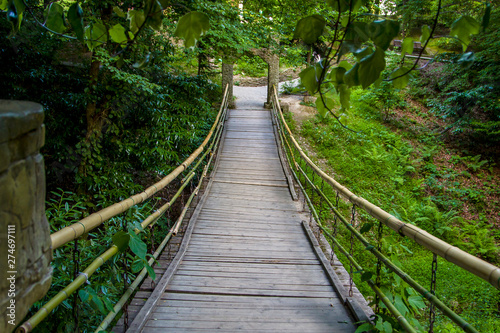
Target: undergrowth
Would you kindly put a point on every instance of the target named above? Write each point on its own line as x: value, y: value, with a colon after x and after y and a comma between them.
x: 421, y: 180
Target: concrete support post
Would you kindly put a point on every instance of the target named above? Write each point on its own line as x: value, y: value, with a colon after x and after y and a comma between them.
x: 227, y: 78
x: 273, y: 76
x: 25, y: 246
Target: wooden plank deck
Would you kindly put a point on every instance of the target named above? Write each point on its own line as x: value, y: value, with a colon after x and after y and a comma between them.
x: 246, y: 262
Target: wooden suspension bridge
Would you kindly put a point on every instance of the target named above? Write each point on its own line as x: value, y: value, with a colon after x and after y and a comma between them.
x: 249, y: 259
x: 246, y: 262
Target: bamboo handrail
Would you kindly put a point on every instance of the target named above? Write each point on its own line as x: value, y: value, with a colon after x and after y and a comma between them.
x: 83, y: 277
x: 389, y: 264
x: 72, y: 232
x: 45, y: 310
x: 476, y: 266
x: 400, y: 318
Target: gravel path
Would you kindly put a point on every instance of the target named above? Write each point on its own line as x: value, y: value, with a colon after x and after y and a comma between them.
x: 253, y: 97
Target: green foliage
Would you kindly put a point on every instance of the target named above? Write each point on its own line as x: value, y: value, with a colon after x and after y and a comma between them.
x: 251, y: 66
x: 96, y: 300
x: 463, y: 28
x: 55, y: 18
x: 310, y: 28
x: 191, y: 27
x: 464, y: 92
x: 381, y: 166
x: 75, y: 18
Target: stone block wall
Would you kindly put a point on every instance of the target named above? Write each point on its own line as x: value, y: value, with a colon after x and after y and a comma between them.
x: 25, y: 246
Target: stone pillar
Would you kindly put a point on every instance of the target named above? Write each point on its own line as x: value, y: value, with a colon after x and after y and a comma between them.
x: 273, y: 76
x: 227, y: 78
x: 25, y: 246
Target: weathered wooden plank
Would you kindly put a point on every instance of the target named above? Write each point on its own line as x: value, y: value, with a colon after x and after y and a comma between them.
x: 250, y: 260
x: 297, y: 282
x: 231, y: 301
x: 245, y: 254
x: 261, y: 183
x: 248, y: 239
x: 234, y: 273
x: 262, y: 328
x: 269, y: 291
x: 264, y: 300
x: 243, y: 315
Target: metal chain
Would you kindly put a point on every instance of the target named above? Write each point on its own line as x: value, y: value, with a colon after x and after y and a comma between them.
x: 321, y: 196
x: 378, y: 280
x: 305, y: 190
x: 76, y: 272
x: 125, y: 283
x: 353, y: 219
x: 432, y: 312
x: 153, y: 249
x: 335, y: 222
x: 125, y: 286
x: 313, y: 186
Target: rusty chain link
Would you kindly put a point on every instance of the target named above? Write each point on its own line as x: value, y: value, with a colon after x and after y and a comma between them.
x: 432, y: 312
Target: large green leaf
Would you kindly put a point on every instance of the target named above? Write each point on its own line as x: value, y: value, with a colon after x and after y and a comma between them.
x: 345, y: 5
x: 366, y: 227
x: 118, y: 11
x: 345, y: 64
x: 407, y: 46
x: 4, y: 4
x: 191, y: 27
x: 400, y: 82
x: 310, y: 28
x: 366, y: 276
x: 486, y: 17
x: 355, y: 36
x: 426, y: 33
x: 336, y: 76
x: 323, y: 105
x: 75, y: 18
x: 400, y: 305
x: 382, y: 32
x: 345, y: 96
x: 463, y: 28
x: 416, y: 302
x: 351, y: 77
x: 136, y: 18
x: 137, y: 245
x: 15, y: 10
x: 137, y: 265
x: 121, y: 240
x: 155, y: 20
x: 154, y: 14
x: 310, y: 77
x: 117, y: 34
x: 55, y: 18
x: 96, y: 35
x: 361, y: 53
x: 151, y: 271
x: 370, y: 67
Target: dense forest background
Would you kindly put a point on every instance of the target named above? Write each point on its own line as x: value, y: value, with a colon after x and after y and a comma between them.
x: 122, y: 110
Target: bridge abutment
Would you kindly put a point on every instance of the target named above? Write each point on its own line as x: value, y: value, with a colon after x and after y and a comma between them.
x: 25, y: 245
